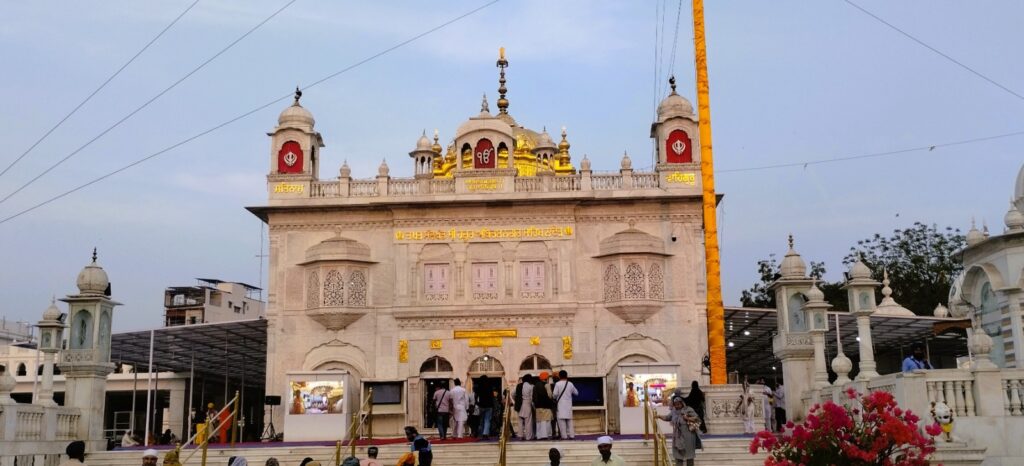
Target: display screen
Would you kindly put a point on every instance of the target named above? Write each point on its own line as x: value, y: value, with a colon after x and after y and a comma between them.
x: 386, y: 393
x: 659, y: 389
x: 319, y: 397
x: 590, y: 389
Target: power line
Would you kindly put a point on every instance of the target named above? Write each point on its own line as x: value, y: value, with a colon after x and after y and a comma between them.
x: 146, y: 104
x: 675, y: 41
x: 94, y: 92
x: 875, y: 154
x: 243, y: 115
x: 933, y: 49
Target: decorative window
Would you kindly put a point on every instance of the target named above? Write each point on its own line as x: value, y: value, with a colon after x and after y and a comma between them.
x: 611, y: 283
x: 634, y: 288
x: 486, y: 363
x: 357, y: 288
x: 334, y: 289
x: 21, y: 369
x: 535, y: 362
x: 531, y: 279
x: 436, y: 364
x: 313, y: 290
x: 485, y: 281
x: 656, y: 281
x: 435, y: 286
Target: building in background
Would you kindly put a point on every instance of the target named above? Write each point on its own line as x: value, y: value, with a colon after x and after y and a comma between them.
x: 211, y: 301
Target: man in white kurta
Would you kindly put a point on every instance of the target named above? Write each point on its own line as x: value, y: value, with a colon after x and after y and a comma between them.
x: 562, y: 394
x: 460, y: 408
x: 526, y: 409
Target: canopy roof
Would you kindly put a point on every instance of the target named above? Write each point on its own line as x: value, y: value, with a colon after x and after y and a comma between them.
x: 234, y: 349
x: 752, y: 354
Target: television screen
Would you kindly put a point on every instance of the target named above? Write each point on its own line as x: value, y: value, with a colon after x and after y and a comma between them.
x: 317, y: 397
x: 591, y: 391
x: 386, y: 393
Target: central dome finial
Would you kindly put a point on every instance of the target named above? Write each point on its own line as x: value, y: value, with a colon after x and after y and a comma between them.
x: 672, y: 82
x: 298, y: 95
x: 502, y: 64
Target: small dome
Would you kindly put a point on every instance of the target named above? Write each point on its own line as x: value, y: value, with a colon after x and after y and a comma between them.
x: 52, y: 312
x: 860, y: 269
x: 345, y: 171
x: 563, y: 145
x: 793, y: 265
x: 1014, y: 218
x: 626, y: 163
x: 815, y: 294
x: 631, y: 241
x: 423, y: 144
x: 585, y: 163
x: 436, y: 147
x: 889, y: 306
x: 338, y: 248
x: 940, y: 311
x: 295, y: 115
x: 383, y: 169
x: 92, y: 279
x: 673, y: 106
x: 545, y: 141
x: 974, y: 236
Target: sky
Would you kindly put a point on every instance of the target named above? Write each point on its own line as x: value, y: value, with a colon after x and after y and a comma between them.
x: 791, y: 82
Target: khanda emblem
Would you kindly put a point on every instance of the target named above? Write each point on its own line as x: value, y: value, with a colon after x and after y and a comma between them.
x: 678, y: 147
x: 290, y: 158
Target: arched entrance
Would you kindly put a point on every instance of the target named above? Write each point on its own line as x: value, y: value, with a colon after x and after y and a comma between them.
x: 615, y: 391
x: 435, y: 373
x: 534, y: 363
x: 491, y: 367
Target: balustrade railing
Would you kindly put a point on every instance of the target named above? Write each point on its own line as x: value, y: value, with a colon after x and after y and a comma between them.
x: 529, y: 185
x: 953, y: 387
x: 603, y: 182
x: 403, y: 187
x: 645, y: 180
x: 363, y: 188
x: 67, y: 425
x: 30, y: 423
x: 324, y: 189
x: 1012, y: 388
x: 442, y: 186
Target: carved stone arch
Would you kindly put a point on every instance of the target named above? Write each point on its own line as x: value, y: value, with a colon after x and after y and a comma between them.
x: 436, y: 253
x: 632, y: 345
x: 337, y: 352
x: 977, y: 274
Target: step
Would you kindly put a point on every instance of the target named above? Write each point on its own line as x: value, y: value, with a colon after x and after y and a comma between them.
x: 717, y: 452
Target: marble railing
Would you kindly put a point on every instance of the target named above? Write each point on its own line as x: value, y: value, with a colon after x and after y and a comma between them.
x: 1012, y: 388
x: 583, y: 181
x: 28, y: 431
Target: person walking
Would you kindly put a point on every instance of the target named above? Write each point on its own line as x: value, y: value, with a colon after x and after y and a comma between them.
x: 563, y: 393
x: 485, y: 403
x: 420, y: 446
x: 768, y: 408
x: 371, y: 457
x: 473, y: 412
x: 525, y: 410
x: 460, y: 408
x: 695, y: 400
x: 443, y: 405
x: 543, y: 407
x: 606, y: 458
x: 685, y: 424
x: 747, y: 408
x: 780, y: 407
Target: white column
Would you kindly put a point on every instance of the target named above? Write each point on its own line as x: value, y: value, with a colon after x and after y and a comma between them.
x: 867, y: 351
x: 46, y: 392
x: 820, y: 370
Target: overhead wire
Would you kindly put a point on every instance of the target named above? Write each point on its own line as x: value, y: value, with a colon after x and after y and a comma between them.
x: 146, y: 104
x: 928, y: 148
x: 243, y: 115
x: 935, y: 50
x: 675, y: 40
x: 97, y: 90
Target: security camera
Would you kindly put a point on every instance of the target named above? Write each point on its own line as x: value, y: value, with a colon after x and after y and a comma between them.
x: 674, y: 238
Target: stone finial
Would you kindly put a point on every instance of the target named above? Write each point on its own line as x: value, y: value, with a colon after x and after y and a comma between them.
x: 93, y: 255
x: 484, y: 107
x: 298, y: 95
x: 793, y: 266
x: 585, y: 163
x: 889, y: 305
x: 940, y: 311
x: 383, y: 170
x: 974, y: 236
x: 345, y: 171
x: 1014, y: 219
x: 626, y: 163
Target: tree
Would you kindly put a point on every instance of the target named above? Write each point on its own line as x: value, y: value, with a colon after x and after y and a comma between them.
x: 921, y: 262
x: 759, y: 295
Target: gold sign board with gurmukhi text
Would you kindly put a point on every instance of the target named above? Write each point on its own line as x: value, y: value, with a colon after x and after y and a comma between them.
x: 289, y: 188
x: 682, y: 178
x: 486, y: 233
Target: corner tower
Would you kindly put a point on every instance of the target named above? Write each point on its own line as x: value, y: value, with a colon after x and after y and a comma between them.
x: 294, y: 151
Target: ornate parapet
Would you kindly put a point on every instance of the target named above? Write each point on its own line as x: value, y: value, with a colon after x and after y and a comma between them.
x: 36, y: 430
x: 721, y: 408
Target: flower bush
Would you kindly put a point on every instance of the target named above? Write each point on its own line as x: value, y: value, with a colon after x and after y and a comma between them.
x: 877, y: 433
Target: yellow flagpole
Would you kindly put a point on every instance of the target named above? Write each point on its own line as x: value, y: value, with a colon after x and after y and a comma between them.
x: 716, y: 310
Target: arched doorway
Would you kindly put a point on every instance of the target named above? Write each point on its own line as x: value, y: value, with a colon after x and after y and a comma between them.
x: 615, y: 391
x: 489, y: 366
x: 534, y: 363
x: 435, y: 373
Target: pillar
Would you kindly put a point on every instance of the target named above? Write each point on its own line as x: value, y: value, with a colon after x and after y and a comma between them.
x: 46, y: 392
x: 867, y: 350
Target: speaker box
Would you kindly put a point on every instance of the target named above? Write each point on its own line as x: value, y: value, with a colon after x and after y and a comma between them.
x: 272, y: 400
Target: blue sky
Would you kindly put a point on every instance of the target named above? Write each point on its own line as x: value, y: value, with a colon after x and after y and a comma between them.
x: 790, y: 82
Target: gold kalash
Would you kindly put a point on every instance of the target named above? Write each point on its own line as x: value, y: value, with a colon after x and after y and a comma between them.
x: 522, y: 158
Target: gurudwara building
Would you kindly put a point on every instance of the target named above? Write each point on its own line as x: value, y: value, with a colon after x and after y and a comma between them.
x: 502, y: 255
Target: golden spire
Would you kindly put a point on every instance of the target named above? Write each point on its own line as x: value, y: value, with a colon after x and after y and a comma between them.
x: 437, y: 146
x: 502, y: 101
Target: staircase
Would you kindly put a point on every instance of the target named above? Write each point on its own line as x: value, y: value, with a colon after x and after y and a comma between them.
x: 717, y: 452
